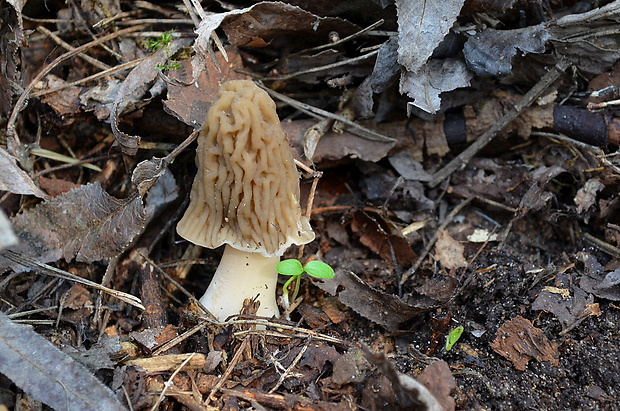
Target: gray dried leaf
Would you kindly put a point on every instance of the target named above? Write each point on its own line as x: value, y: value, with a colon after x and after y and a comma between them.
x: 605, y: 286
x: 410, y: 169
x: 489, y: 53
x: 14, y: 179
x: 432, y: 79
x: 85, y: 223
x: 566, y: 309
x: 98, y: 356
x: 7, y: 236
x: 421, y: 27
x: 385, y: 68
x: 572, y: 37
x: 133, y: 87
x: 48, y: 375
x: 536, y: 197
x: 586, y: 195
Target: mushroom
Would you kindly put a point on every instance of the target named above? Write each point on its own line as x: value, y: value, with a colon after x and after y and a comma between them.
x: 245, y: 196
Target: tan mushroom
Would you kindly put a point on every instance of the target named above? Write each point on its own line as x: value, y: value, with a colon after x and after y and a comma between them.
x: 246, y: 196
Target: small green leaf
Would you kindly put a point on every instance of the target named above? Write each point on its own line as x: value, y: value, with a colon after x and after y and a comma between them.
x: 454, y: 337
x: 289, y: 267
x: 319, y: 269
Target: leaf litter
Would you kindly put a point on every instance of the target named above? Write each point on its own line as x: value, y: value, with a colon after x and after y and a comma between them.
x: 382, y: 99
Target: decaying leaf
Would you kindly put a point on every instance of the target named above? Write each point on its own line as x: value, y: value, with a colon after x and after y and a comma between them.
x: 382, y: 237
x: 449, y: 252
x: 586, y: 195
x: 351, y: 367
x: 384, y: 309
x: 572, y: 37
x: 568, y: 310
x: 7, y: 236
x: 439, y: 380
x: 410, y: 393
x: 14, y: 179
x: 11, y: 38
x: 98, y: 356
x: 268, y: 20
x: 408, y: 167
x: 335, y: 147
x: 596, y: 281
x: 490, y: 52
x: 48, y: 375
x: 189, y: 97
x: 86, y: 223
x: 432, y: 79
x: 133, y: 87
x: 536, y: 196
x: 421, y: 27
x: 379, y: 80
x: 519, y: 341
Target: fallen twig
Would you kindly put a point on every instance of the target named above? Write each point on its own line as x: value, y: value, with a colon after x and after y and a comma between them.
x: 535, y: 92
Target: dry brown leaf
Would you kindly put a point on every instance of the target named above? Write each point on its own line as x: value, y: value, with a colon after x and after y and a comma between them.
x: 570, y: 306
x: 384, y: 309
x: 586, y: 195
x: 449, y: 252
x: 410, y: 393
x: 378, y: 81
x: 382, y: 237
x: 189, y: 99
x: 439, y: 380
x: 519, y: 341
x: 269, y: 20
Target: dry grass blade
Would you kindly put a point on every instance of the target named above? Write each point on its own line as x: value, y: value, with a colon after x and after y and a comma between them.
x: 21, y: 102
x: 58, y: 273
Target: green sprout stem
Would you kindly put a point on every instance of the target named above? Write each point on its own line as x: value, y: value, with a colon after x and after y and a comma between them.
x: 295, y: 270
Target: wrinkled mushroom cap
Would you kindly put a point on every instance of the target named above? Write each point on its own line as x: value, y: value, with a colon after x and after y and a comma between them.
x: 246, y: 192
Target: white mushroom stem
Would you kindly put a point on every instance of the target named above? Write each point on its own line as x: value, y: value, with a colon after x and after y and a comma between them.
x: 242, y: 275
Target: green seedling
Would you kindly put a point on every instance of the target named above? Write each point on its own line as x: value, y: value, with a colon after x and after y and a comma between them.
x: 163, y: 41
x: 453, y: 337
x: 295, y: 270
x: 168, y: 67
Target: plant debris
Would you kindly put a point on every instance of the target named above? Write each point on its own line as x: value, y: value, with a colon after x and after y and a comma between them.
x: 459, y: 167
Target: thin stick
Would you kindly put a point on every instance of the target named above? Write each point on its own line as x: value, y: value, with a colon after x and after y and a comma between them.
x: 77, y: 163
x: 67, y: 46
x: 233, y: 363
x: 287, y: 372
x: 58, y: 273
x: 177, y: 285
x: 179, y: 339
x: 96, y: 76
x: 341, y: 41
x: 464, y: 158
x: 433, y: 240
x: 604, y: 246
x: 325, y: 67
x: 318, y: 113
x: 170, y: 382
